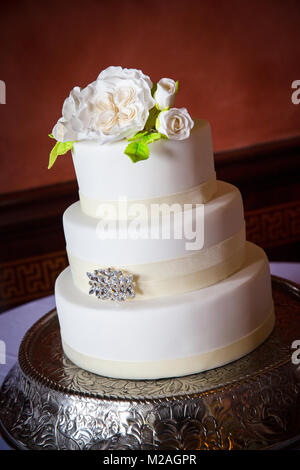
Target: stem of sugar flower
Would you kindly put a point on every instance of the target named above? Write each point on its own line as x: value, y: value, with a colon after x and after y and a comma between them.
x: 153, y: 89
x: 153, y: 113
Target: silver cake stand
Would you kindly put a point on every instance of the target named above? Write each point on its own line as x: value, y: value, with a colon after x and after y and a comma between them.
x: 46, y: 402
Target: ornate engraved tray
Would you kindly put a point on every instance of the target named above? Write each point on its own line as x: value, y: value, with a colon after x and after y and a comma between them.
x: 46, y: 402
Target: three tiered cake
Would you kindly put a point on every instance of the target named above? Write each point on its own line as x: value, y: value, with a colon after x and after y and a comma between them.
x: 161, y: 281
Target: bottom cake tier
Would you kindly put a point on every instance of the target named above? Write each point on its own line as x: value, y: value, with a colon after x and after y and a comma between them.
x: 170, y: 336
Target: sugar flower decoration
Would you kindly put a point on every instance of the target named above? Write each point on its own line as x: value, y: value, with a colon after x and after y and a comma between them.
x: 175, y: 123
x: 120, y: 104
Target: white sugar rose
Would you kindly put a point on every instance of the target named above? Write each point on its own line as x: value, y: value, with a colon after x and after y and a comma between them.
x: 165, y: 93
x: 114, y: 107
x: 125, y: 73
x: 175, y: 123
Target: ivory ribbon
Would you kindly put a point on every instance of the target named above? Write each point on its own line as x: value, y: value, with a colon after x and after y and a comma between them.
x: 197, y: 195
x: 193, y: 271
x: 174, y: 367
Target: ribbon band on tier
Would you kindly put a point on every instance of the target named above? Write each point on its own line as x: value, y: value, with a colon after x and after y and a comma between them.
x: 197, y: 195
x: 170, y: 277
x: 175, y: 367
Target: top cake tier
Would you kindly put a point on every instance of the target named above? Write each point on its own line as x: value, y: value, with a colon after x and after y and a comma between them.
x: 104, y: 173
x: 129, y: 142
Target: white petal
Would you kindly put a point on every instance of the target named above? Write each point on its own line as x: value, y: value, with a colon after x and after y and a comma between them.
x: 68, y: 108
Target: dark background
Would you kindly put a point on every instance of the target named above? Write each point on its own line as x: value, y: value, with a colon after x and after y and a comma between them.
x: 235, y: 61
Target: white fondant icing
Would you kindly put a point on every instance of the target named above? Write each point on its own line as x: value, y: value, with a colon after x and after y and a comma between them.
x: 104, y: 172
x: 196, y: 195
x: 168, y: 328
x: 223, y: 217
x: 174, y: 367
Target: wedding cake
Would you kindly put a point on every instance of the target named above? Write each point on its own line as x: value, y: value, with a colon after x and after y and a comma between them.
x: 162, y: 281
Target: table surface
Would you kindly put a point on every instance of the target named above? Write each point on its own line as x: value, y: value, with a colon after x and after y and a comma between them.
x: 14, y: 323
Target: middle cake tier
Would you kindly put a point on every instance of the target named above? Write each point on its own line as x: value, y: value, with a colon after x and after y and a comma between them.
x: 179, y: 252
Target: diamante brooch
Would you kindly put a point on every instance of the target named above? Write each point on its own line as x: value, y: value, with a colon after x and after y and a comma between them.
x: 110, y: 284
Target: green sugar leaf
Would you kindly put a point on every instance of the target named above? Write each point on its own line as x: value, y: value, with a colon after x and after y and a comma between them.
x: 60, y: 148
x: 137, y: 151
x: 152, y: 137
x: 137, y: 136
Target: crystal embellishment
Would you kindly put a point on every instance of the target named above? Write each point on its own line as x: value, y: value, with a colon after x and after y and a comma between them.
x: 110, y: 284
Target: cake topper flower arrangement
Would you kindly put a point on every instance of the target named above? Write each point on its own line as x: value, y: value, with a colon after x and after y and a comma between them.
x: 121, y: 104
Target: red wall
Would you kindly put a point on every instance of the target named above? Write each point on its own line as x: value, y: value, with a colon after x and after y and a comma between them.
x: 235, y: 61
